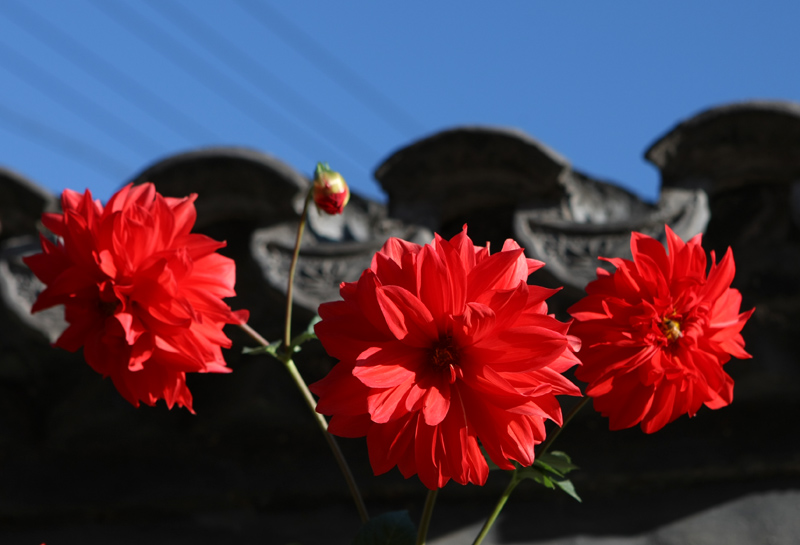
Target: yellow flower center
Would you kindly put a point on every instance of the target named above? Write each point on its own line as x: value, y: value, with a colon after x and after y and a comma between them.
x: 671, y: 328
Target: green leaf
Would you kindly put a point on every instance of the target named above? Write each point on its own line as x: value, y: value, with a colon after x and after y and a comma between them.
x: 536, y: 475
x: 557, y: 461
x: 567, y: 486
x: 549, y: 470
x: 393, y: 528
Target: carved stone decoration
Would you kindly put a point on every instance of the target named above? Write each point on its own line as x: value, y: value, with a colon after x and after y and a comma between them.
x: 19, y: 288
x: 21, y: 205
x: 597, y: 220
x: 335, y: 249
x: 505, y: 184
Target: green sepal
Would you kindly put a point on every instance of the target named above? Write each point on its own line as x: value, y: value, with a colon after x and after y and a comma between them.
x: 550, y: 470
x: 322, y: 168
x: 272, y: 350
x: 394, y: 528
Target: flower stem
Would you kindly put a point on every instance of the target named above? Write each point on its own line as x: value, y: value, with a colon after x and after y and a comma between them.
x: 321, y: 422
x: 547, y: 444
x: 254, y: 334
x: 285, y: 356
x: 515, y: 480
x: 287, y: 331
x: 337, y: 452
x: 427, y: 513
x: 298, y: 380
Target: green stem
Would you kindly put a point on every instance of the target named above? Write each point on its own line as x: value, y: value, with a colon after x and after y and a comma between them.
x: 553, y: 436
x: 427, y: 513
x: 286, y: 357
x: 287, y: 331
x: 515, y: 480
x: 337, y: 452
x: 321, y: 422
x: 254, y: 334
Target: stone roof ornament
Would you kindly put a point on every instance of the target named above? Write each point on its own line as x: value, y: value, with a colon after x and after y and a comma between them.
x: 730, y: 146
x: 595, y: 219
x: 246, y: 194
x: 335, y: 249
x: 504, y: 183
x: 234, y: 184
x: 22, y: 203
x: 746, y: 156
x: 470, y: 174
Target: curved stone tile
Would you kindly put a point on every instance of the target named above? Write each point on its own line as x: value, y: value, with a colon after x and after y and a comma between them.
x: 731, y: 146
x: 233, y: 184
x: 465, y: 171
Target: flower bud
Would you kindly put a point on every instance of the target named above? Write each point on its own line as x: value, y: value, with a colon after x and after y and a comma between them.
x: 330, y: 190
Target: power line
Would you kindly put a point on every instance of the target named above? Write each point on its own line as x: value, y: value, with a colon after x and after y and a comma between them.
x: 237, y: 58
x: 64, y: 94
x: 216, y: 80
x: 337, y: 70
x: 120, y: 81
x: 94, y: 157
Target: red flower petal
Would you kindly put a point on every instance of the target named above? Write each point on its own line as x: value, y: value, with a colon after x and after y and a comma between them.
x: 407, y: 317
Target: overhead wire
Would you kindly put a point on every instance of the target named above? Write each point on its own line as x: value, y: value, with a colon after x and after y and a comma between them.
x: 225, y: 50
x: 77, y: 102
x: 95, y: 158
x: 106, y: 72
x: 308, y: 46
x: 238, y: 96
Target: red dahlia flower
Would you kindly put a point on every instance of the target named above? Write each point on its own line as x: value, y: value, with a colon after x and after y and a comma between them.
x: 442, y: 346
x: 656, y: 333
x: 141, y: 294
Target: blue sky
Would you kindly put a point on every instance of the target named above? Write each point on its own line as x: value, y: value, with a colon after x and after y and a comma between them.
x: 94, y: 91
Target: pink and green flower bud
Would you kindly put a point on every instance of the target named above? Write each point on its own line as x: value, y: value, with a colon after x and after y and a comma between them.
x: 331, y: 193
